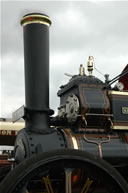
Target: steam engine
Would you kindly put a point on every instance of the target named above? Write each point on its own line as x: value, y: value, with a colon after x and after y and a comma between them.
x: 92, y: 118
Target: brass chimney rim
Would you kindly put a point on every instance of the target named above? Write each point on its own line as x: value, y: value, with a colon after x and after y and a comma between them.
x: 35, y: 18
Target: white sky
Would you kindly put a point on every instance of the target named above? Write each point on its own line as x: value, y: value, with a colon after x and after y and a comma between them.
x: 79, y: 29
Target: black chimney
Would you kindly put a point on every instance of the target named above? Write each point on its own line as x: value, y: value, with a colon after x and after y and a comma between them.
x: 36, y: 58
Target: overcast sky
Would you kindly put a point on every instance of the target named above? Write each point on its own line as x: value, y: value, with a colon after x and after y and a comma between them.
x: 79, y: 29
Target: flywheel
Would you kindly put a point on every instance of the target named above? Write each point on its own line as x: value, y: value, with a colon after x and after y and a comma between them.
x: 64, y: 171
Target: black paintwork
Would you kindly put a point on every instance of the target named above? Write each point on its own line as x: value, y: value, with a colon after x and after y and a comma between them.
x: 36, y: 57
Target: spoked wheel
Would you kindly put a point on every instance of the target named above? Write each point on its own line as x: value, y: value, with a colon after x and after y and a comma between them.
x: 64, y: 171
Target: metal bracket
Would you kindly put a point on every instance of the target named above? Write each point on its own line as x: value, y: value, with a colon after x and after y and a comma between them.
x: 18, y: 114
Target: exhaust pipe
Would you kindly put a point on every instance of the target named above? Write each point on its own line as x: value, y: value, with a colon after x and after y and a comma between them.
x: 36, y: 60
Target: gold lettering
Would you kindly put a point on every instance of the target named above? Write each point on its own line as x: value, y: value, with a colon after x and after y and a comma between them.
x: 3, y: 132
x: 9, y: 133
x: 16, y: 132
x: 48, y: 184
x: 87, y: 185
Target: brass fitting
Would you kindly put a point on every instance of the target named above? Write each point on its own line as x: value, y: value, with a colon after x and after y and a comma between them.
x: 81, y: 70
x: 90, y: 65
x: 35, y: 18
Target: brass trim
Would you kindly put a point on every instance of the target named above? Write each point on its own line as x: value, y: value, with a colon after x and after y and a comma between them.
x: 112, y: 92
x: 68, y: 176
x: 120, y: 127
x: 87, y: 185
x: 41, y: 19
x: 98, y: 143
x: 74, y: 141
x: 93, y: 114
x: 48, y: 185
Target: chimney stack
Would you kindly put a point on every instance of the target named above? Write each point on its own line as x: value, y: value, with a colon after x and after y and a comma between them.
x: 36, y: 61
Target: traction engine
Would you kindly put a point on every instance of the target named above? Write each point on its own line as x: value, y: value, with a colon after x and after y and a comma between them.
x: 84, y: 148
